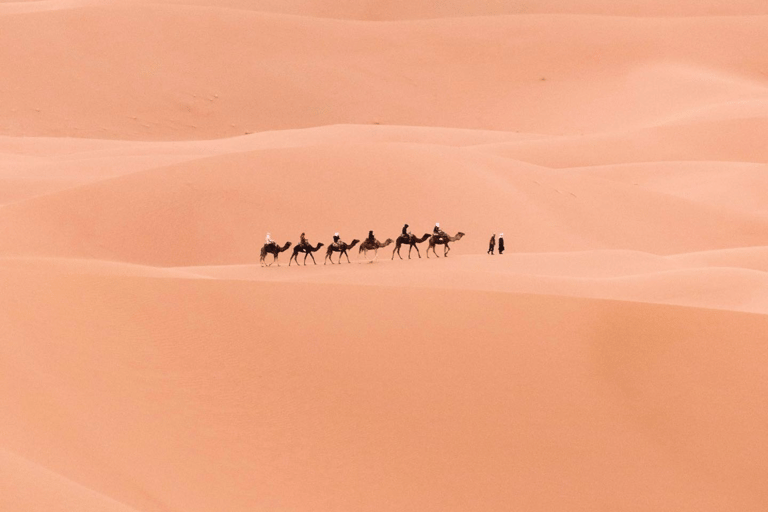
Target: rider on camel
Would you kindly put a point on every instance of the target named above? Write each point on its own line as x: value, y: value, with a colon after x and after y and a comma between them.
x: 437, y: 231
x: 304, y: 240
x: 270, y: 241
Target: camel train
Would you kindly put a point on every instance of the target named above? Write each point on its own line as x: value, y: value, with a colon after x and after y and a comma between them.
x: 437, y: 237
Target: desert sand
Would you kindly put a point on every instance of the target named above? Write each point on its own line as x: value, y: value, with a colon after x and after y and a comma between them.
x: 614, y: 358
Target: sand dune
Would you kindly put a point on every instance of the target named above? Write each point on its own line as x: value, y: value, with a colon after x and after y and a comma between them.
x: 351, y: 189
x: 612, y: 359
x: 533, y: 73
x: 328, y: 406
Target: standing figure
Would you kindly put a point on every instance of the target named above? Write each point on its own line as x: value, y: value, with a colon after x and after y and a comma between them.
x: 501, y: 243
x: 492, y: 244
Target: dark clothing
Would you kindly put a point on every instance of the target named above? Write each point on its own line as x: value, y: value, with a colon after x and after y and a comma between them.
x: 304, y: 240
x: 501, y: 246
x: 371, y: 238
x: 492, y: 244
x: 336, y: 239
x: 405, y: 230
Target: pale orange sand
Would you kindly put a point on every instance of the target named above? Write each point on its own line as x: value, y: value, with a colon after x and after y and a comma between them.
x: 614, y: 358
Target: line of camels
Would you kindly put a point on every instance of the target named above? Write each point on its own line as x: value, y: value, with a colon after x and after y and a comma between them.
x: 365, y: 246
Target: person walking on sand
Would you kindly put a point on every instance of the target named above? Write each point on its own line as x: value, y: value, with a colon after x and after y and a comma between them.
x: 492, y: 244
x: 501, y: 243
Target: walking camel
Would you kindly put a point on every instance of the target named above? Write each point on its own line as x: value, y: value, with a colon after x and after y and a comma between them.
x: 274, y: 250
x: 442, y: 240
x: 367, y: 245
x: 341, y: 247
x: 411, y: 241
x: 307, y: 250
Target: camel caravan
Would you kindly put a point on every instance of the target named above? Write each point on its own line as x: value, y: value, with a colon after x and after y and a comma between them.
x: 437, y: 237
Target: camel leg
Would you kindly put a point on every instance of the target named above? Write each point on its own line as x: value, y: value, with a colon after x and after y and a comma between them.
x: 345, y: 254
x: 445, y: 253
x: 313, y: 259
x: 417, y: 250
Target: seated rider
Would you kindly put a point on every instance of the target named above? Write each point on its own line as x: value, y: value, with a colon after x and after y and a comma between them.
x: 304, y: 240
x: 437, y: 231
x: 406, y: 233
x: 270, y: 241
x: 336, y: 239
x: 371, y: 238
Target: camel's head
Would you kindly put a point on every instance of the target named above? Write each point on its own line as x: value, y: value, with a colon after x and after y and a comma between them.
x: 459, y: 235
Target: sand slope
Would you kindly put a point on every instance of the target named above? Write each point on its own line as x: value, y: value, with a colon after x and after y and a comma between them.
x: 612, y: 359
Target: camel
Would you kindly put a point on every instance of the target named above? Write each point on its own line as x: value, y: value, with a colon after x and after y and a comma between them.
x: 373, y: 246
x: 307, y: 250
x: 342, y: 248
x: 411, y: 240
x: 274, y: 250
x: 442, y: 240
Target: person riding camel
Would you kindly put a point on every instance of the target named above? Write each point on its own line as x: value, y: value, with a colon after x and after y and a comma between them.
x: 437, y: 231
x: 270, y: 241
x: 336, y: 239
x: 405, y: 231
x: 371, y: 238
x: 304, y: 241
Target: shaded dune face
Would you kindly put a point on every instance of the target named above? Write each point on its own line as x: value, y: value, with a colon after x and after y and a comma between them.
x: 613, y: 357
